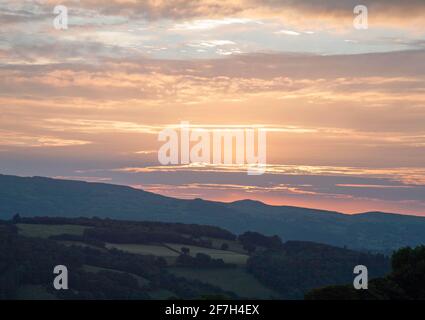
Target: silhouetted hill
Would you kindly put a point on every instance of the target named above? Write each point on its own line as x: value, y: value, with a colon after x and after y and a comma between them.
x: 38, y: 196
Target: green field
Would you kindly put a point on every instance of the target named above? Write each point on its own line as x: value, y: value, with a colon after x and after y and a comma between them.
x: 237, y: 280
x: 144, y: 249
x: 162, y: 294
x: 45, y: 231
x: 233, y: 245
x: 80, y: 244
x: 33, y: 292
x: 227, y: 256
x: 173, y: 251
x: 140, y: 280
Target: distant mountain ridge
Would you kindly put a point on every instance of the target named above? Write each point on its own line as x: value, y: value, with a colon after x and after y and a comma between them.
x: 39, y: 196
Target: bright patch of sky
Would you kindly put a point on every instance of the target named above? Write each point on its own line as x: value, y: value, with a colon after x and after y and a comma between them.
x: 205, y: 38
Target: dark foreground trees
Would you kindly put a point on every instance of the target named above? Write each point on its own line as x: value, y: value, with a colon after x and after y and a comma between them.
x: 406, y: 281
x: 297, y: 267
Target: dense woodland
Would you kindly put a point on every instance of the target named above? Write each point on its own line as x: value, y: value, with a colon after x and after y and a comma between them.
x: 140, y: 228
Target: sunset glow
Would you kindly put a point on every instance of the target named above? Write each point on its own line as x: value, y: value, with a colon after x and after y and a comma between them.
x: 344, y: 109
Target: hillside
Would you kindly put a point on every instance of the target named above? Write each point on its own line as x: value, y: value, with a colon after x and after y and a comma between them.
x: 114, y: 259
x: 38, y: 196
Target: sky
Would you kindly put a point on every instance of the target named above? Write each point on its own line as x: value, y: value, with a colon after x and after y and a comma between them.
x: 344, y: 108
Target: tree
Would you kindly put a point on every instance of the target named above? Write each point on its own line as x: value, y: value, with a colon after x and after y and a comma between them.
x: 203, y: 259
x: 185, y: 250
x: 249, y: 247
x: 224, y: 246
x: 405, y: 282
x: 16, y: 218
x: 257, y: 239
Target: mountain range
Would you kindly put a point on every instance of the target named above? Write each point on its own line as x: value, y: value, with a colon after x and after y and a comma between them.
x: 371, y: 231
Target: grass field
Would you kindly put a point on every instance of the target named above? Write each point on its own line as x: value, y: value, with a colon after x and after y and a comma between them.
x: 45, y: 231
x: 33, y: 292
x: 233, y: 245
x: 237, y: 280
x: 227, y: 256
x: 140, y: 280
x: 161, y: 294
x: 80, y: 244
x: 144, y: 249
x: 171, y: 253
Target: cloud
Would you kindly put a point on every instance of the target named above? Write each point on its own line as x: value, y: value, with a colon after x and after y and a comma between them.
x: 355, y: 188
x: 18, y: 139
x: 288, y: 32
x: 24, y: 14
x: 180, y: 9
x: 83, y: 178
x: 298, y: 74
x: 397, y: 177
x: 209, y: 24
x: 302, y: 12
x: 211, y: 43
x: 341, y: 126
x: 297, y: 97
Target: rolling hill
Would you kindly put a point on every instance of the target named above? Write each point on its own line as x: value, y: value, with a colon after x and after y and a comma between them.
x: 117, y: 259
x: 374, y: 231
